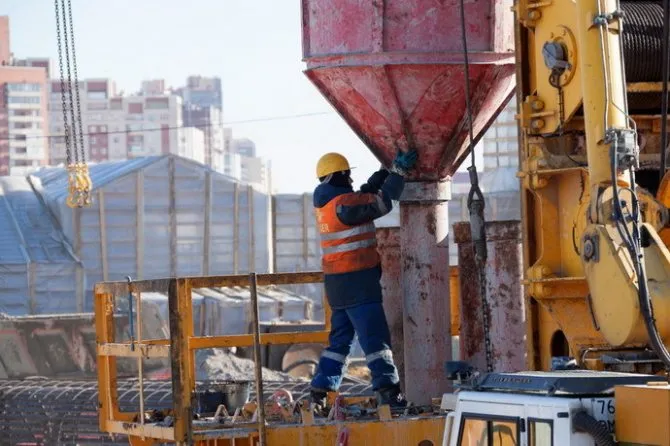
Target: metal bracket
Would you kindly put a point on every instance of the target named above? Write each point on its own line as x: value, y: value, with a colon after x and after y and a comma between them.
x: 528, y: 13
x: 611, y: 20
x: 627, y: 149
x: 532, y: 114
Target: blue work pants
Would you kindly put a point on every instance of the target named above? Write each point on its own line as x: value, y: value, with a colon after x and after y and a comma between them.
x: 369, y: 322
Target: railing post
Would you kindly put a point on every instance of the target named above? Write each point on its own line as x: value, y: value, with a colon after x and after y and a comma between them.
x: 257, y: 358
x: 181, y: 330
x: 104, y: 333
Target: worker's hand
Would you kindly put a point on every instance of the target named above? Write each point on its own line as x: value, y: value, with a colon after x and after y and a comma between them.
x: 404, y: 162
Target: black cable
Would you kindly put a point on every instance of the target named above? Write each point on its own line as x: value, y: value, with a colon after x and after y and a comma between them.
x: 634, y: 246
x: 664, y: 92
x: 176, y: 127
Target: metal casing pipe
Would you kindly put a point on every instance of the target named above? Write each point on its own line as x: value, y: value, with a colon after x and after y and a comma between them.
x: 504, y: 294
x: 425, y: 287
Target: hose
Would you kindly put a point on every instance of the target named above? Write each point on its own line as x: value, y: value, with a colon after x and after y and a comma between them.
x: 583, y: 422
x: 634, y: 245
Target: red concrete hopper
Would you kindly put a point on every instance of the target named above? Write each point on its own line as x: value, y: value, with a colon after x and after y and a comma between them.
x: 394, y: 71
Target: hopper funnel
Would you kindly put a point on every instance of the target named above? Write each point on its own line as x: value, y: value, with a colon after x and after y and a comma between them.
x: 393, y: 69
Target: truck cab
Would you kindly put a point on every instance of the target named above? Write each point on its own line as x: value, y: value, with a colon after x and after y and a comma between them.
x: 567, y: 408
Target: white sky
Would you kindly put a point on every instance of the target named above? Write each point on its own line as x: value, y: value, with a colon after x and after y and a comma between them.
x: 253, y: 45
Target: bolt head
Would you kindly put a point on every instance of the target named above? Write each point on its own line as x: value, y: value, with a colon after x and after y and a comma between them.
x: 589, y: 248
x: 537, y: 123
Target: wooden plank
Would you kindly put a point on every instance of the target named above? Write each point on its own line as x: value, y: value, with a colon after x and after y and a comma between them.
x: 143, y: 350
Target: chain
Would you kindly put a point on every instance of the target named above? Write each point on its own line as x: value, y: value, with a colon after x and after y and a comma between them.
x: 69, y: 82
x: 66, y: 127
x: 76, y: 83
x: 79, y: 181
x: 476, y: 205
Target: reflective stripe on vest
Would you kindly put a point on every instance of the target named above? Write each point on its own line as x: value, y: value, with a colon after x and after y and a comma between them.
x: 346, y: 248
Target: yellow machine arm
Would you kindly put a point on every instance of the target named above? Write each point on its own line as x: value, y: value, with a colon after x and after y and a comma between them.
x: 598, y: 272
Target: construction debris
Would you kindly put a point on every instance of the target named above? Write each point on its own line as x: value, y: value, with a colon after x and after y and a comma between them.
x: 218, y: 364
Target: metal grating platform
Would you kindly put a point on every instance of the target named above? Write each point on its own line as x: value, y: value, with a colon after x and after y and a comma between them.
x: 64, y: 412
x: 569, y: 382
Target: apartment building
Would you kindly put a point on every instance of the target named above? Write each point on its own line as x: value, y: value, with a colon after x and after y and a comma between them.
x: 121, y: 127
x: 193, y: 144
x: 203, y: 92
x: 208, y: 120
x: 24, y: 120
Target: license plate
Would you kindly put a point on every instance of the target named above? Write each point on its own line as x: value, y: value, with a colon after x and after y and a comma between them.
x: 602, y: 409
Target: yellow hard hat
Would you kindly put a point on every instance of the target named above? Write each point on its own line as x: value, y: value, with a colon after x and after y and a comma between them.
x: 331, y: 163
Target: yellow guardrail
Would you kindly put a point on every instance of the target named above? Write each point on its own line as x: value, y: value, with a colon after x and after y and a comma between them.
x: 180, y: 347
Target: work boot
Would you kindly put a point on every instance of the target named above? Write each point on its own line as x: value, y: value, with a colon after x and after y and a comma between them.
x: 391, y: 396
x: 319, y: 398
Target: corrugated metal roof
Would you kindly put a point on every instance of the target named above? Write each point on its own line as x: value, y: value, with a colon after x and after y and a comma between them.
x: 52, y: 182
x: 28, y: 232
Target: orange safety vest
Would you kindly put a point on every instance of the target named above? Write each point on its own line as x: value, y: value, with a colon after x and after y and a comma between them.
x: 346, y: 248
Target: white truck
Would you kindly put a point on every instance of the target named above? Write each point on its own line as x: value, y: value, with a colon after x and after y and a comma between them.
x: 561, y: 408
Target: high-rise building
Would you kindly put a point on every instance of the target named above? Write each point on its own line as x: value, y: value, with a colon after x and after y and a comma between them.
x: 254, y: 171
x: 203, y: 92
x: 120, y: 127
x: 193, y: 144
x: 208, y: 120
x: 154, y: 87
x: 232, y: 165
x: 24, y: 120
x: 5, y: 50
x: 94, y: 97
x: 227, y: 140
x: 36, y: 62
x: 245, y: 147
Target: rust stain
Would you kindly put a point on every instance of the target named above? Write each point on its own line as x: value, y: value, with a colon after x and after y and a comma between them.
x: 430, y: 223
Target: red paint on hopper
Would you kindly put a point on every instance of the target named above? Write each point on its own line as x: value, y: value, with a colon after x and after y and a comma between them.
x: 394, y: 71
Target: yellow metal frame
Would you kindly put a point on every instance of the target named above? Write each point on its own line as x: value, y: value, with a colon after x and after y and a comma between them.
x: 180, y: 348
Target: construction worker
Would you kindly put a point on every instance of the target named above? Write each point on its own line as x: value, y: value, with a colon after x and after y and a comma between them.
x: 352, y: 270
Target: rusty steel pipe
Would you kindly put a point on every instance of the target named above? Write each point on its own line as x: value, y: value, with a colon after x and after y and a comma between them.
x: 388, y: 245
x: 504, y: 294
x: 425, y: 286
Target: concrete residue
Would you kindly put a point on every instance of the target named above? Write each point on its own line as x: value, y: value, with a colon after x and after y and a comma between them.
x: 218, y: 364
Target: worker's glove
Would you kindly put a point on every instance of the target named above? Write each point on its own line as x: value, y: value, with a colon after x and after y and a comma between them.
x: 375, y: 181
x: 404, y: 162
